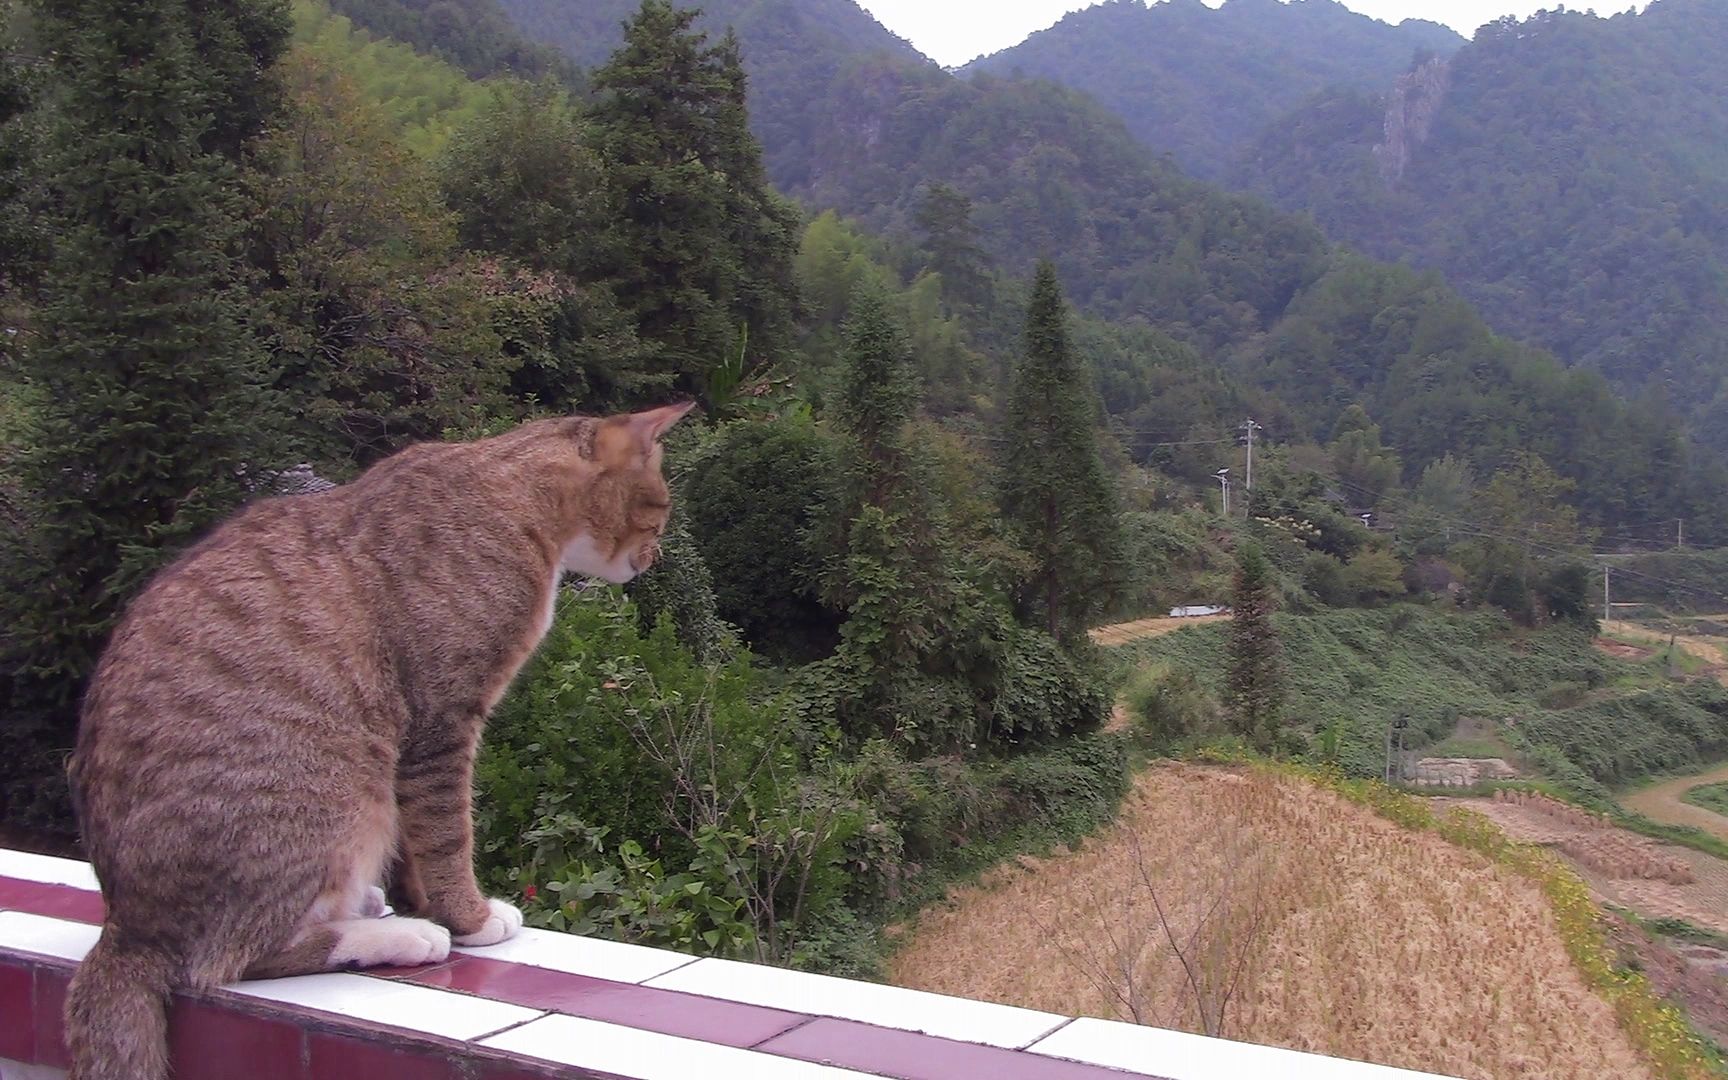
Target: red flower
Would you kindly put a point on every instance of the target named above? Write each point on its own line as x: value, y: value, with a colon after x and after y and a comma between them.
x: 529, y: 891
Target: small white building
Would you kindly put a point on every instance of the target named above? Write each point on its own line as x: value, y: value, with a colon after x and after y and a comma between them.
x: 1196, y: 610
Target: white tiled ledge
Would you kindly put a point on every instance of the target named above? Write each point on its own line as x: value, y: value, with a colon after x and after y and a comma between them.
x: 808, y: 1007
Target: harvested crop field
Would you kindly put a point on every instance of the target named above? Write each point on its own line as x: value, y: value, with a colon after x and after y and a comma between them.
x: 1289, y: 917
x: 1139, y: 629
x: 1621, y: 867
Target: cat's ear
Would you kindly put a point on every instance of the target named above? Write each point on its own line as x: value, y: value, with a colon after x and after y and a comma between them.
x: 640, y: 431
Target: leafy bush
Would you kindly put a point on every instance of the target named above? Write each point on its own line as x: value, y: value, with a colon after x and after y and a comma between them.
x: 1169, y: 705
x: 751, y: 496
x: 686, y: 763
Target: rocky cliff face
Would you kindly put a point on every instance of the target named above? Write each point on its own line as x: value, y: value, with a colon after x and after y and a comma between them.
x: 1415, y: 101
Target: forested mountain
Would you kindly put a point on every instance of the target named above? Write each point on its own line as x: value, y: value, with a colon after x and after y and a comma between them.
x: 798, y: 53
x: 1568, y: 174
x: 1201, y: 83
x: 474, y: 35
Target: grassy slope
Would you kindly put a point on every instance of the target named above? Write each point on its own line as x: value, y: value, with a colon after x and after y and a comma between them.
x: 1584, y: 718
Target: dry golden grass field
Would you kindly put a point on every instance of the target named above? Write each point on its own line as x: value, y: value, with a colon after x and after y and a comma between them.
x: 1265, y: 909
x: 1123, y: 633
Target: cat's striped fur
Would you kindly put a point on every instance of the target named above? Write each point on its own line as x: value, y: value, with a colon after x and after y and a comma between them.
x: 292, y: 708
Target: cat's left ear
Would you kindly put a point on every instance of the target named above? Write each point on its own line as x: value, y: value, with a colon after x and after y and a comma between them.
x: 646, y: 428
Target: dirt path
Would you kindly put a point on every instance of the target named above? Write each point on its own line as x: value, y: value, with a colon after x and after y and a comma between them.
x: 1710, y: 650
x: 1661, y: 802
x: 1123, y: 633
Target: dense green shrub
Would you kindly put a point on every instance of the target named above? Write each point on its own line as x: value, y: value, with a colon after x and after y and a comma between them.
x: 723, y: 842
x: 751, y: 496
x: 1353, y: 672
x: 1629, y: 736
x: 1169, y: 705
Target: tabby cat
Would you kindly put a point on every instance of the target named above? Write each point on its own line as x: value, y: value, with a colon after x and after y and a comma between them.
x: 291, y: 710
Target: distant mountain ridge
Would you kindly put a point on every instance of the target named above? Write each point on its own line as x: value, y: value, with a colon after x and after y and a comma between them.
x: 1567, y: 173
x: 1193, y: 278
x: 795, y: 51
x: 1201, y: 84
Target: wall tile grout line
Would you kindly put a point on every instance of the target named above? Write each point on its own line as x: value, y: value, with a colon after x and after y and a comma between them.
x: 670, y: 971
x: 808, y: 1020
x: 1047, y: 1034
x: 512, y: 1027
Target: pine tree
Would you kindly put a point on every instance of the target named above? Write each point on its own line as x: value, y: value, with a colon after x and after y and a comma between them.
x: 1055, y: 490
x: 153, y: 411
x: 878, y: 389
x: 700, y: 250
x: 1255, y: 677
x: 944, y: 216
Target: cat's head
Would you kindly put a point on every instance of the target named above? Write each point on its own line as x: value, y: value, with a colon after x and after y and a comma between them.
x: 632, y: 501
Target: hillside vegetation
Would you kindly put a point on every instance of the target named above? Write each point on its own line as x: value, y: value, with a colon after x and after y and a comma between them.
x: 1203, y: 83
x: 1224, y: 283
x: 1567, y: 173
x: 1306, y: 921
x: 1584, y: 718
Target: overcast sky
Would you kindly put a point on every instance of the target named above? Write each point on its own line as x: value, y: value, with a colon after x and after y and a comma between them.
x: 955, y: 31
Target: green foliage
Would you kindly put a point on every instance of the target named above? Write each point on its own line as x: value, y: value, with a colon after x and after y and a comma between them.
x: 950, y: 242
x: 799, y: 52
x: 699, y: 245
x: 379, y: 333
x: 1170, y: 706
x: 23, y: 230
x: 752, y: 498
x: 1356, y: 671
x: 422, y: 99
x: 1201, y: 83
x: 1594, y: 230
x: 1055, y: 491
x: 1255, y: 681
x: 474, y: 35
x: 1373, y: 576
x: 726, y: 844
x: 1712, y: 797
x: 558, y: 743
x: 878, y: 390
x: 522, y: 181
x: 680, y: 587
x: 150, y: 396
x: 1626, y: 737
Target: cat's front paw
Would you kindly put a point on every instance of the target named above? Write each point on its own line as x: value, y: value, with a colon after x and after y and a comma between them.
x: 501, y: 925
x: 372, y: 905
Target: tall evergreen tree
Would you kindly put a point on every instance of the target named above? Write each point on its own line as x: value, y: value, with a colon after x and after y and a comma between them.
x: 950, y: 240
x: 153, y: 409
x: 700, y: 250
x: 23, y: 240
x: 1255, y: 677
x: 878, y: 390
x: 1055, y: 489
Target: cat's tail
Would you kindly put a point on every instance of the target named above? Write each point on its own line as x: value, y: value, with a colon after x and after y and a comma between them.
x: 117, y: 1012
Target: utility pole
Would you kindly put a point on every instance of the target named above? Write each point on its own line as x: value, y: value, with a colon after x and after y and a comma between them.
x: 1679, y: 533
x: 1251, y: 427
x: 1223, y: 476
x: 1606, y: 605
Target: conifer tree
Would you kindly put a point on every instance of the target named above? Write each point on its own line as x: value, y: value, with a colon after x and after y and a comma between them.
x: 153, y: 414
x: 1055, y: 489
x: 701, y: 249
x: 944, y: 216
x: 1255, y: 677
x: 878, y: 388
